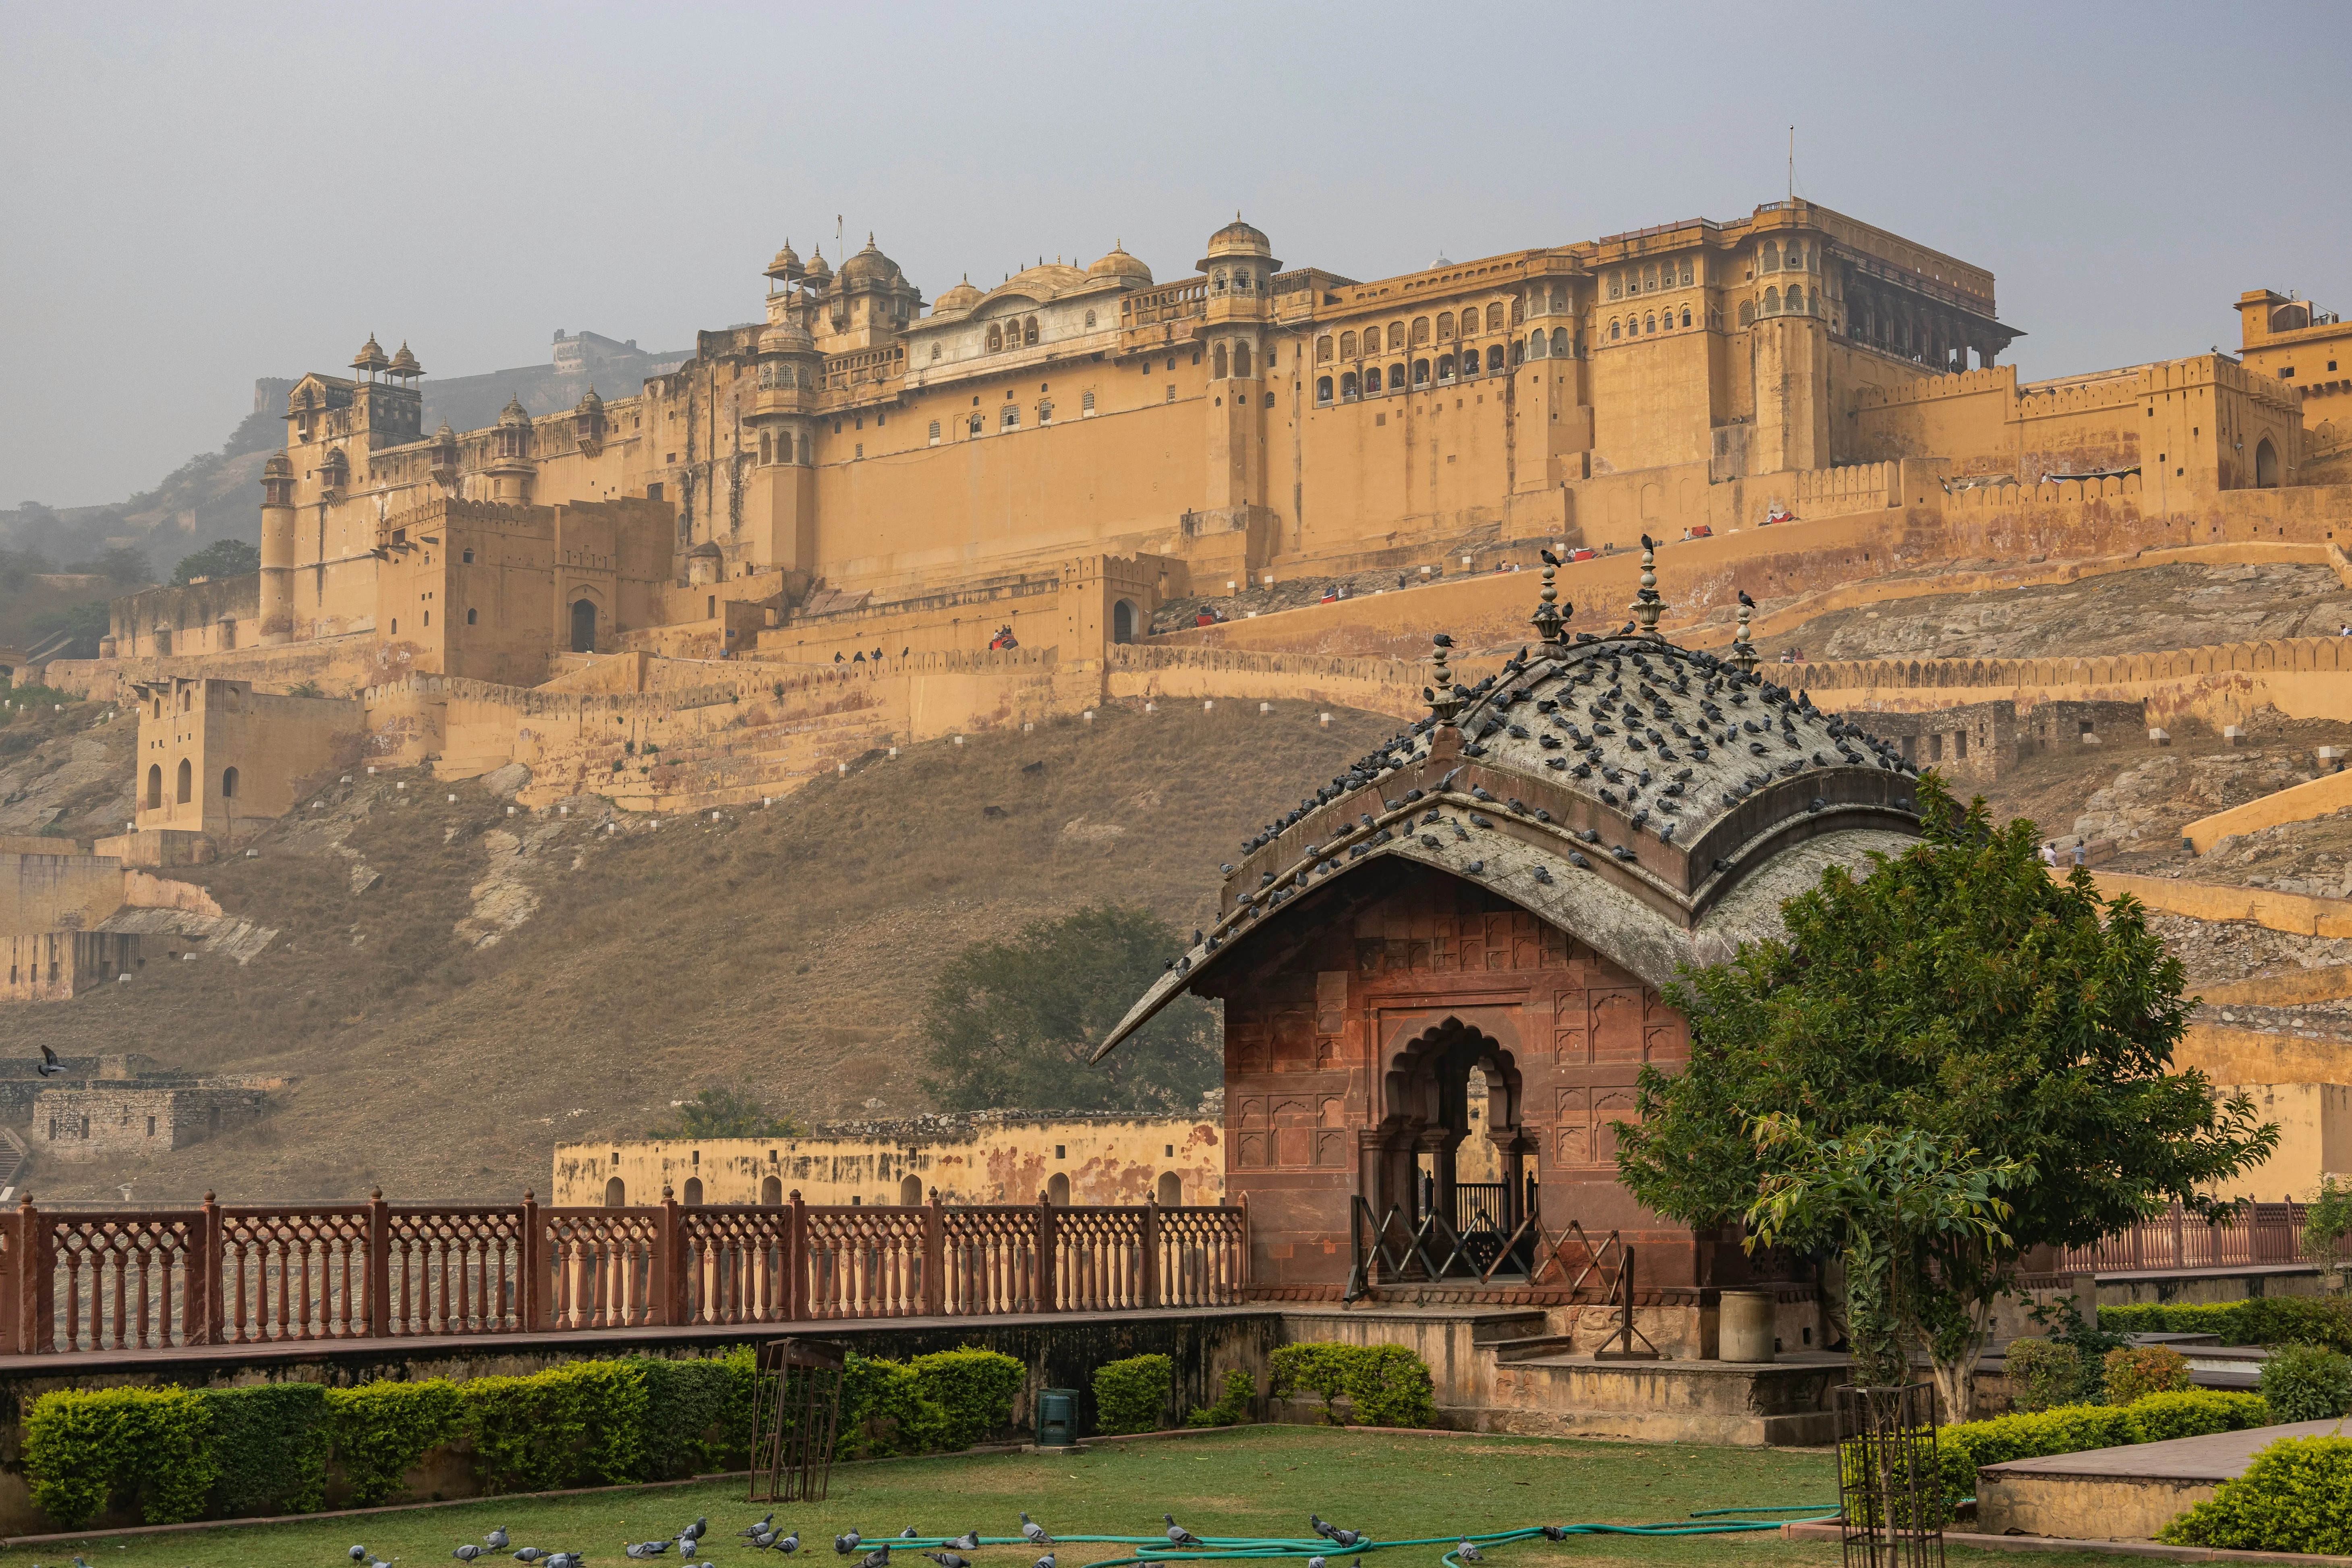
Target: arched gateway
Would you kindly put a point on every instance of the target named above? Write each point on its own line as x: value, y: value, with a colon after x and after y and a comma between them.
x: 1488, y: 905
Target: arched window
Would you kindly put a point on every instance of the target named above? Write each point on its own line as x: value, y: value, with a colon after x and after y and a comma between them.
x: 805, y: 450
x: 1396, y: 378
x: 187, y: 787
x: 1748, y: 312
x: 1217, y: 363
x: 1613, y: 331
x: 1494, y: 319
x: 1796, y: 257
x: 1421, y: 373
x: 1348, y: 384
x: 1559, y: 343
x: 1649, y: 279
x: 1323, y: 349
x: 1220, y: 282
x: 1494, y: 356
x: 583, y: 626
x: 1445, y: 367
x: 1090, y: 321
x: 977, y: 426
x: 910, y: 1191
x: 1240, y: 359
x: 935, y: 351
x: 1687, y: 319
x: 995, y: 336
x: 1122, y: 622
x: 1686, y: 272
x: 2266, y: 468
x: 1772, y: 259
x: 772, y: 1190
x: 1796, y: 298
x: 693, y: 1198
x: 1771, y: 301
x: 1028, y: 330
x: 155, y: 787
x: 1347, y: 345
x: 228, y: 784
x: 1168, y: 1191
x: 1396, y: 336
x: 1446, y: 327
x: 1057, y: 1190
x: 1649, y: 323
x: 1322, y: 389
x: 1616, y: 285
x: 616, y: 1193
x: 1420, y: 331
x: 1538, y: 346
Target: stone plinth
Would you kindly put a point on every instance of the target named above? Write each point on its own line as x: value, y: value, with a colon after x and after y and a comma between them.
x: 2126, y: 1493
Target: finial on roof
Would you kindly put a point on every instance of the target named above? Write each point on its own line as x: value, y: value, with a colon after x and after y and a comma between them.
x: 1743, y: 652
x: 1443, y: 705
x: 1550, y: 618
x: 1646, y: 606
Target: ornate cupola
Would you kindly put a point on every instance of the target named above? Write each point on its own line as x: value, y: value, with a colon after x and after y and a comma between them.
x: 403, y: 367
x: 371, y: 361
x: 509, y: 467
x: 445, y: 459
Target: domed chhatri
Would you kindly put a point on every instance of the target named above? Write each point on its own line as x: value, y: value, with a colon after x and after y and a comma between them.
x: 371, y: 357
x: 403, y: 364
x: 868, y: 266
x: 514, y: 413
x: 787, y: 266
x: 1656, y: 802
x: 1119, y: 263
x: 960, y: 296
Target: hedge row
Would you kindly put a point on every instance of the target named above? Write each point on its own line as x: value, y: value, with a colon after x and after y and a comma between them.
x: 2295, y: 1497
x: 1387, y: 1385
x: 2264, y: 1320
x: 176, y: 1454
x: 1964, y: 1449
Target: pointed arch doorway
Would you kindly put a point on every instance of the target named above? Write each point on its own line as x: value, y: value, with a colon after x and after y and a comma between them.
x: 1454, y: 1143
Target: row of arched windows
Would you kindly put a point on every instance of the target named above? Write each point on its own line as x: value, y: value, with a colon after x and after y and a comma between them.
x: 1649, y: 322
x: 1240, y: 361
x: 777, y: 446
x: 784, y: 374
x: 184, y: 790
x: 1009, y: 333
x: 1442, y: 371
x: 1649, y: 279
x: 1793, y: 303
x: 1772, y: 258
x: 1443, y: 328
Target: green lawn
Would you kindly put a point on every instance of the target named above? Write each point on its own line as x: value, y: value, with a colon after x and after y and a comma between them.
x: 1252, y: 1482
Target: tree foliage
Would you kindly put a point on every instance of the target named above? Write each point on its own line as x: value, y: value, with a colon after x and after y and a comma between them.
x: 1012, y: 1023
x: 726, y: 1113
x: 1957, y: 989
x: 221, y: 557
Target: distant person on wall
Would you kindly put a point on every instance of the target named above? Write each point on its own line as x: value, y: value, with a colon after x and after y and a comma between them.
x: 2082, y: 853
x: 1330, y: 596
x: 2345, y: 631
x: 2049, y: 852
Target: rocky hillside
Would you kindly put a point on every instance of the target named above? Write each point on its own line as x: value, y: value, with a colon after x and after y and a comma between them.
x: 454, y: 988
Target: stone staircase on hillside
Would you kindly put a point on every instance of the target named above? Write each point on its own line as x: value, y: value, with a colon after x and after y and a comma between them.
x: 14, y: 1154
x: 735, y: 766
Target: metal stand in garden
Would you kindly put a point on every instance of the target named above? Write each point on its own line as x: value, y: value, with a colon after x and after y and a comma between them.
x: 798, y: 1396
x: 1621, y: 1344
x: 1890, y: 1488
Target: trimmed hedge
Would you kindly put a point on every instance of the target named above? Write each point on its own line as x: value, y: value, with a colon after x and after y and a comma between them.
x: 931, y: 1403
x: 174, y: 1454
x: 1965, y: 1448
x: 1386, y: 1385
x: 2264, y: 1320
x: 2307, y: 1382
x: 2042, y: 1373
x: 1132, y: 1396
x: 2134, y: 1371
x: 2295, y: 1497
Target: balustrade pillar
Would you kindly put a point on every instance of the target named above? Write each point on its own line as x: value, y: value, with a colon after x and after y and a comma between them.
x: 379, y: 1266
x: 1149, y: 1284
x: 1049, y: 1298
x: 200, y: 1294
x: 530, y: 1265
x: 35, y: 1264
x: 796, y: 1306
x: 668, y: 1282
x: 935, y: 1269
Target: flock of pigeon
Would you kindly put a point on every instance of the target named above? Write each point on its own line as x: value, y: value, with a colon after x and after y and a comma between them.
x: 948, y: 1550
x: 1665, y: 728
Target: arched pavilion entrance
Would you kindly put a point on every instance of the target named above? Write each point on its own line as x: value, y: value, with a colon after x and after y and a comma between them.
x: 1443, y: 1086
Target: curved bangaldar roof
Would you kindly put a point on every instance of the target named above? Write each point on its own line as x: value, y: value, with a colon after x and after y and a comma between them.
x: 1658, y: 802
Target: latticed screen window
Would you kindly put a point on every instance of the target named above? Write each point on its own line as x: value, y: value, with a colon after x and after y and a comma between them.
x: 1085, y: 403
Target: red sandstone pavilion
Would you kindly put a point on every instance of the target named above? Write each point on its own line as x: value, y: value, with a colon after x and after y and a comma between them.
x: 1506, y: 888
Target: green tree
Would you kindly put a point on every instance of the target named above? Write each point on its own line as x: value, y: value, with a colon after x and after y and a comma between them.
x: 1957, y: 989
x: 221, y: 557
x: 1874, y: 1196
x: 1012, y: 1023
x: 726, y: 1113
x: 123, y: 565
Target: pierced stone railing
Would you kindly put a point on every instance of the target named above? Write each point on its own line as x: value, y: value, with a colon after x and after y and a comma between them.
x: 91, y: 1279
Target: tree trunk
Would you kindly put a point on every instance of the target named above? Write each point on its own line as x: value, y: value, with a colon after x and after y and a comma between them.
x: 1955, y: 1366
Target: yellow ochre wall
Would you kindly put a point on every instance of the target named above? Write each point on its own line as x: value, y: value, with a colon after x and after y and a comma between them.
x: 1105, y: 1160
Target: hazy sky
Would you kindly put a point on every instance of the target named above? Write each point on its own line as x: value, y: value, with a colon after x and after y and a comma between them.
x: 191, y: 196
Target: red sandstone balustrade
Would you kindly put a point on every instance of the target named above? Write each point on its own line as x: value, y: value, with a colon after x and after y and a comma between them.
x: 112, y: 1279
x: 2265, y: 1234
